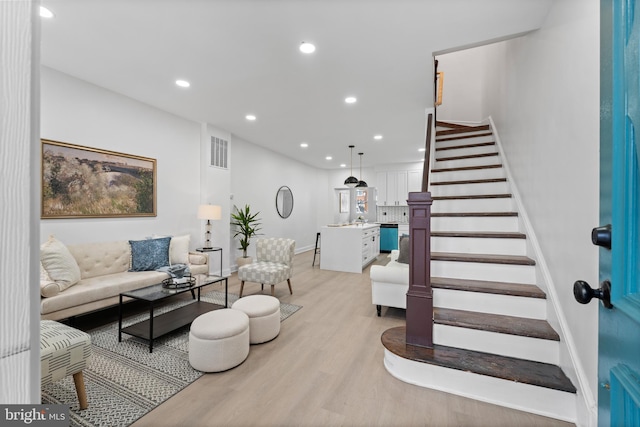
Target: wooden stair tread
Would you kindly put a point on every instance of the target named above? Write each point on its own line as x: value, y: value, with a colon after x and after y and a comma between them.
x: 455, y: 125
x: 460, y: 147
x: 511, y: 325
x: 472, y: 214
x: 479, y: 234
x: 482, y: 258
x: 471, y: 181
x: 464, y: 129
x: 507, y: 368
x: 470, y: 156
x: 465, y: 168
x: 473, y: 197
x: 488, y: 287
x: 456, y: 137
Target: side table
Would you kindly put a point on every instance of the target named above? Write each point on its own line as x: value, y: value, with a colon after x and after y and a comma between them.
x: 215, y: 249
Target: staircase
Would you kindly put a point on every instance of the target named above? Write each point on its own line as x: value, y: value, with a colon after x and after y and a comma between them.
x: 491, y: 338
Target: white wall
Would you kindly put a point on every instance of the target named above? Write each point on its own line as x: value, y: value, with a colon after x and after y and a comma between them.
x: 542, y: 91
x: 256, y: 176
x: 19, y: 93
x: 80, y: 113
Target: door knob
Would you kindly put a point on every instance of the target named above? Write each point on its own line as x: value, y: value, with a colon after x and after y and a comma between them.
x: 583, y: 293
x: 601, y: 236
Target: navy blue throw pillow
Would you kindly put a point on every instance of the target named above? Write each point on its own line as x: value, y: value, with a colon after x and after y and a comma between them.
x: 150, y: 254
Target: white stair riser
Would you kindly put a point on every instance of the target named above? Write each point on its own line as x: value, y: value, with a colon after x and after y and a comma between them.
x: 538, y: 350
x: 525, y: 274
x: 523, y: 397
x: 505, y: 305
x: 465, y: 151
x: 468, y: 174
x: 492, y: 223
x: 479, y: 245
x: 470, y: 189
x: 463, y: 141
x: 475, y: 161
x: 502, y: 204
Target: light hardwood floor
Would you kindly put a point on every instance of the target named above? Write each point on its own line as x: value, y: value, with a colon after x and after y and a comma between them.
x: 324, y: 369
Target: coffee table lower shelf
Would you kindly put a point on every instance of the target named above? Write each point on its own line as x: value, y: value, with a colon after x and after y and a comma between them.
x: 170, y: 321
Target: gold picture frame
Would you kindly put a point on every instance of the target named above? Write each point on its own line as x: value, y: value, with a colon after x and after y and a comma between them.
x: 86, y: 182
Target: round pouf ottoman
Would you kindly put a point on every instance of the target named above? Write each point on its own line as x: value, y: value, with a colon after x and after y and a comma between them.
x: 219, y: 340
x: 264, y: 316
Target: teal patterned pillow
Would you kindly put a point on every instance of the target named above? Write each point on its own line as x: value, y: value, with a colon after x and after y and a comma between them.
x: 150, y: 254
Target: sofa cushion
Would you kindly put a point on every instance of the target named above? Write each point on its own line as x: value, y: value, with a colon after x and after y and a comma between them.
x: 149, y: 254
x: 179, y: 249
x: 59, y: 263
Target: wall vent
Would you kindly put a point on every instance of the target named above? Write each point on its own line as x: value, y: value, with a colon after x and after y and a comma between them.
x: 219, y: 152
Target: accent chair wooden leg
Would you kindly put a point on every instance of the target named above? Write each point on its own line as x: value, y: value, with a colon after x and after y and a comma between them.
x: 78, y: 380
x: 290, y: 290
x: 262, y: 286
x: 379, y: 310
x: 273, y: 290
x: 241, y: 288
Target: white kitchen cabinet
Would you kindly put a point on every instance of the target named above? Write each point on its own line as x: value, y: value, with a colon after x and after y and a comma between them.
x: 349, y: 248
x: 395, y: 191
x: 414, y: 181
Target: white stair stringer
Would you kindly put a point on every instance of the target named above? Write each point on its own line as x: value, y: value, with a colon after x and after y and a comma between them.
x: 524, y: 397
x: 528, y: 348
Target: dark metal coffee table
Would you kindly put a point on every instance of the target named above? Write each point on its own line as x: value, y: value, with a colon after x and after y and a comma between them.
x: 162, y: 324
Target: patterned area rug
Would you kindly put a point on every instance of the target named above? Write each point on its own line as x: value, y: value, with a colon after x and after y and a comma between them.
x: 124, y: 381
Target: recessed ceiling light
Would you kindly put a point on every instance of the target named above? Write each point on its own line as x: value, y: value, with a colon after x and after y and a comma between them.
x: 304, y: 145
x: 350, y: 99
x: 306, y: 47
x: 343, y: 165
x: 328, y: 158
x: 422, y: 149
x: 250, y: 117
x: 378, y: 137
x: 183, y: 83
x: 45, y: 13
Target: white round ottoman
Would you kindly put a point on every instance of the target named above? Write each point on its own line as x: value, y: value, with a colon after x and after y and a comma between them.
x: 264, y: 316
x: 219, y: 340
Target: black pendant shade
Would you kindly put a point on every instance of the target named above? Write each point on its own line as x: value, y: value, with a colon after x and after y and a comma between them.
x: 352, y: 181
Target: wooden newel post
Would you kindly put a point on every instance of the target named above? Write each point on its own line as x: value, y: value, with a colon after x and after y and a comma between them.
x: 420, y: 296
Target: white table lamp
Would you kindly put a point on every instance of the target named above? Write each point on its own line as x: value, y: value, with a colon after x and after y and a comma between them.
x: 209, y: 212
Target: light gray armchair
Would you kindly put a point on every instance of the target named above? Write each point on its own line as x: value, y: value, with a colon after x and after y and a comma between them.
x: 273, y: 265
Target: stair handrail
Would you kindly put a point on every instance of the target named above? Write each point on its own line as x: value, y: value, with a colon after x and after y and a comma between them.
x: 427, y: 156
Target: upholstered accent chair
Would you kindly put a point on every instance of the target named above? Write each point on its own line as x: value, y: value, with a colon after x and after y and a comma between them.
x: 273, y: 265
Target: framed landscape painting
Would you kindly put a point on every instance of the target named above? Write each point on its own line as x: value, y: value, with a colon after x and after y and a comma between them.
x: 85, y: 182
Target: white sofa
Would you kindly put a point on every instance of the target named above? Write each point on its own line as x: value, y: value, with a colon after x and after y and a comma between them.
x: 389, y: 283
x: 104, y: 274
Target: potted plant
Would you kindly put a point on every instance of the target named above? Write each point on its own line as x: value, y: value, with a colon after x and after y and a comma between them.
x: 248, y: 225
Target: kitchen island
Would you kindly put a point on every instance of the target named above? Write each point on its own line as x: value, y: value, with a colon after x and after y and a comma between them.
x: 349, y: 248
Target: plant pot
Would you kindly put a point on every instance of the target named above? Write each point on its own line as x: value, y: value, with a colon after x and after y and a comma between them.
x: 243, y: 261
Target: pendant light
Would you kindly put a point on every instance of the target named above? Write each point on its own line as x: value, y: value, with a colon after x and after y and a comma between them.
x: 352, y: 181
x: 361, y: 183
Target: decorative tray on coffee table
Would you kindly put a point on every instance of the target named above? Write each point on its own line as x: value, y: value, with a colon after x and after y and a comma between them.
x: 183, y: 282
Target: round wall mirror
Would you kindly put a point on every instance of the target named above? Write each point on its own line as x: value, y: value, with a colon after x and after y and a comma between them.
x: 284, y: 201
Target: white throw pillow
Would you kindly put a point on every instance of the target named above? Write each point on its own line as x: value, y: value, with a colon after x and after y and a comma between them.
x: 48, y: 288
x: 179, y: 249
x: 59, y: 263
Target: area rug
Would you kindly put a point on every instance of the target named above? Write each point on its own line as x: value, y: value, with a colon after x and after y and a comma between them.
x: 124, y: 381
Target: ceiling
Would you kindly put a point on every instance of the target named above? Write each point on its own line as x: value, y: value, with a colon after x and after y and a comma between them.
x: 241, y: 57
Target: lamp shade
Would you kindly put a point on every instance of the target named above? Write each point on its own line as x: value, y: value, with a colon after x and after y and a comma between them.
x: 209, y: 212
